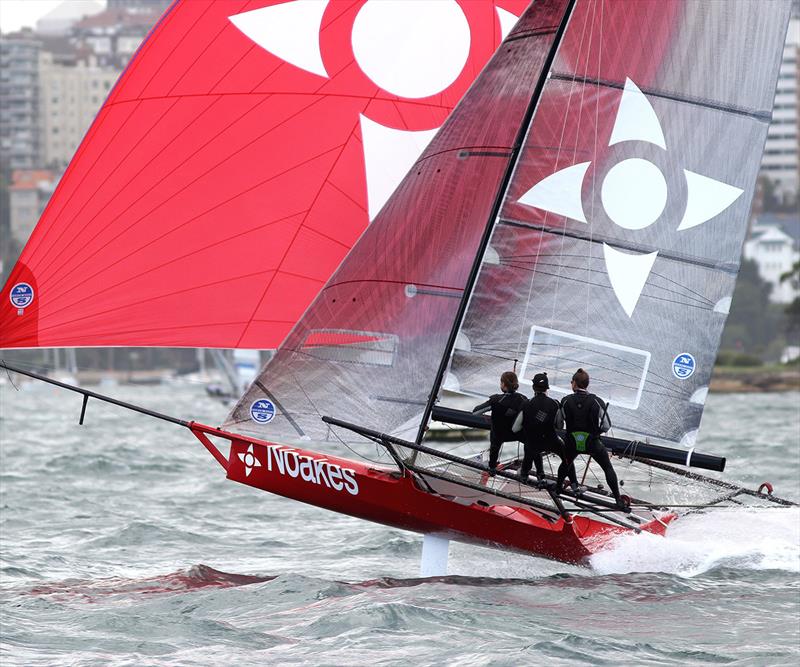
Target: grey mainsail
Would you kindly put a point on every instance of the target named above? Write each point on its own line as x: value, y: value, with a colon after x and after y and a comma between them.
x: 619, y: 240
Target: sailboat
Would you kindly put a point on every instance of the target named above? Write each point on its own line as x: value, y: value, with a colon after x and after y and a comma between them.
x: 584, y: 204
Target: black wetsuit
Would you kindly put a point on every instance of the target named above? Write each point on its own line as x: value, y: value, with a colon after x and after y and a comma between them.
x: 539, y: 422
x: 505, y: 408
x: 585, y: 417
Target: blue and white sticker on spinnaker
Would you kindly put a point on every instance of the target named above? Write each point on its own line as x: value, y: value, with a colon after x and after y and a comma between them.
x: 21, y: 295
x: 683, y: 366
x: 262, y: 411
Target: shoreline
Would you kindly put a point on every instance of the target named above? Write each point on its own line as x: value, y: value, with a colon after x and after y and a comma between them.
x: 754, y: 380
x: 725, y: 380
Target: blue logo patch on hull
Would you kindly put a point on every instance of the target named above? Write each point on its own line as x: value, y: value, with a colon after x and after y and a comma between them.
x: 21, y: 295
x: 683, y: 366
x: 262, y: 411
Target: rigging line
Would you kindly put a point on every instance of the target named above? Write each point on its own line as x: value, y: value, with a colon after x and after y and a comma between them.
x: 727, y: 267
x: 688, y: 304
x: 353, y: 451
x: 701, y: 301
x: 568, y: 105
x: 616, y: 371
x: 510, y: 261
x: 594, y: 171
x: 494, y: 214
x: 667, y: 382
x: 685, y: 287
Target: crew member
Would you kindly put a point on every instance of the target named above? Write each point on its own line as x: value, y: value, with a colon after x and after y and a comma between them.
x: 586, y: 417
x: 504, y: 409
x: 538, y: 421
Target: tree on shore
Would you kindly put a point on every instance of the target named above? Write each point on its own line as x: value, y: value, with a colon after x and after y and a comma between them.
x: 793, y: 309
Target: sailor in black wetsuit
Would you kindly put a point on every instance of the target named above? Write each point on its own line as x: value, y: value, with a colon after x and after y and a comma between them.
x: 505, y: 407
x: 586, y: 417
x: 538, y: 421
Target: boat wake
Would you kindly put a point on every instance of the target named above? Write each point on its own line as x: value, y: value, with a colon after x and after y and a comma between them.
x: 182, y: 581
x: 766, y: 539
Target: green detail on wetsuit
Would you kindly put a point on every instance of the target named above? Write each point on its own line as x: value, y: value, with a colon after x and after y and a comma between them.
x: 581, y: 439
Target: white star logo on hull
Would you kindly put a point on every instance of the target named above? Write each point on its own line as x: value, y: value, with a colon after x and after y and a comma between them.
x: 633, y: 193
x: 250, y: 461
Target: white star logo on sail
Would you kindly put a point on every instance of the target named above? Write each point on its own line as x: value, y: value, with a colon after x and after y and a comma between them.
x: 633, y: 193
x: 409, y: 50
x: 250, y: 461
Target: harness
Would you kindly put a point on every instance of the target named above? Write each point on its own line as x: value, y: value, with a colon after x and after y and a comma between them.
x: 578, y: 417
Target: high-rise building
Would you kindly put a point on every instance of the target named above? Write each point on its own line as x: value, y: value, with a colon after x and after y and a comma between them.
x: 19, y: 105
x: 115, y: 34
x: 780, y: 161
x: 71, y: 93
x: 28, y: 194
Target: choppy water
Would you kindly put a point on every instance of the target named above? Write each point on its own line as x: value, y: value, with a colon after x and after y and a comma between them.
x: 121, y: 543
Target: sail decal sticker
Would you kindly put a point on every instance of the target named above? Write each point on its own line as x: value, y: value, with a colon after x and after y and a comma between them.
x: 402, y: 51
x: 289, y: 30
x: 262, y: 411
x: 21, y: 296
x: 683, y: 366
x: 634, y: 194
x: 618, y: 372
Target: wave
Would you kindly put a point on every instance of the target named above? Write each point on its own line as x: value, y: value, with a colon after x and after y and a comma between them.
x: 181, y: 581
x: 744, y: 539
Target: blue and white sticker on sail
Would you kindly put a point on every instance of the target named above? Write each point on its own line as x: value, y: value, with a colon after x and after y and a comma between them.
x: 683, y: 366
x: 262, y: 411
x: 21, y: 295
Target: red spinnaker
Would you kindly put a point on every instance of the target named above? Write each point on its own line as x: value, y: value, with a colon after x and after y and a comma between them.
x: 220, y: 185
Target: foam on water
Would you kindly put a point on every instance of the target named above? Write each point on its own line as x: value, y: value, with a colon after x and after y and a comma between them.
x: 748, y: 539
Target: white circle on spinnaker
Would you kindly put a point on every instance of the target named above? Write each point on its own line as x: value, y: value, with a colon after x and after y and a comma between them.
x: 634, y: 193
x: 411, y: 48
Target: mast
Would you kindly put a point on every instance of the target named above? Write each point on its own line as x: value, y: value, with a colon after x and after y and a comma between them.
x: 498, y: 203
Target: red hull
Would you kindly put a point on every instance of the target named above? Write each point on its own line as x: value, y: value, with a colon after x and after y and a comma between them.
x: 394, y: 499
